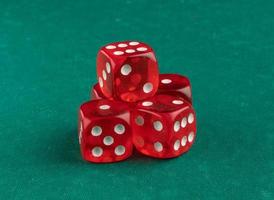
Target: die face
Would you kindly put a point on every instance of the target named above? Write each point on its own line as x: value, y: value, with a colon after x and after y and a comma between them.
x: 184, y: 129
x: 105, y: 74
x: 106, y: 140
x: 137, y: 78
x: 133, y: 71
x: 149, y: 128
x: 103, y: 108
x: 176, y: 85
x: 104, y: 132
x: 163, y: 103
x: 161, y: 127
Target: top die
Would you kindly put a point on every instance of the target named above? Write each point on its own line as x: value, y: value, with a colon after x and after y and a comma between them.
x: 127, y: 71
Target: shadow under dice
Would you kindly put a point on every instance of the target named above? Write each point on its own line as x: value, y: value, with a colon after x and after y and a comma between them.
x: 163, y: 126
x: 176, y: 85
x: 104, y: 132
x: 127, y: 71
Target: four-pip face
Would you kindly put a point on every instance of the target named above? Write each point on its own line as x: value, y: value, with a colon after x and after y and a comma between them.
x: 128, y: 71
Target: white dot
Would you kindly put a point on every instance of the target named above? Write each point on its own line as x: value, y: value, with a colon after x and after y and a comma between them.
x: 176, y: 126
x: 104, y: 75
x: 183, y: 141
x: 101, y: 82
x: 104, y: 107
x: 139, y: 120
x: 177, y: 102
x: 119, y: 129
x: 126, y: 69
x: 158, y: 146
x: 176, y: 145
x: 158, y: 126
x: 96, y: 131
x: 118, y: 53
x: 108, y: 140
x: 190, y: 118
x: 119, y: 150
x: 183, y: 122
x: 147, y: 103
x: 108, y: 67
x: 141, y: 49
x: 133, y: 43
x: 166, y: 81
x: 148, y: 87
x: 122, y: 45
x: 191, y: 136
x: 97, y: 151
x: 110, y: 47
x: 130, y: 51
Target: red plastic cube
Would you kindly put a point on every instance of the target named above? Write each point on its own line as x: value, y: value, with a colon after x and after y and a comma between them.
x: 127, y: 71
x: 176, y: 85
x: 163, y: 126
x: 104, y: 131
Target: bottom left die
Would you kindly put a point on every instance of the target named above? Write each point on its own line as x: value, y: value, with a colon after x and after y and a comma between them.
x: 104, y: 131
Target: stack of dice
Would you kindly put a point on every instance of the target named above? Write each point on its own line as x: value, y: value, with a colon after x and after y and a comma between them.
x: 134, y: 106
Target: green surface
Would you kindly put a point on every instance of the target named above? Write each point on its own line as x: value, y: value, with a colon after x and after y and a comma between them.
x: 47, y: 65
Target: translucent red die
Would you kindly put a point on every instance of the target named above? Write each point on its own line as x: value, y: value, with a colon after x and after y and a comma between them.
x: 163, y: 126
x: 127, y: 71
x: 175, y: 84
x: 104, y: 131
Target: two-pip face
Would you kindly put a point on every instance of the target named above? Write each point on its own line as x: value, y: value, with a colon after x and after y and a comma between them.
x: 127, y: 71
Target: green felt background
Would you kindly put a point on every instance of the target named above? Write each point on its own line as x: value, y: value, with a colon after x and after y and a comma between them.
x: 47, y: 65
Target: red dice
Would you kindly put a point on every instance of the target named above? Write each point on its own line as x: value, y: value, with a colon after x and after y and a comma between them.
x: 132, y: 105
x: 104, y: 131
x: 127, y: 71
x: 175, y: 84
x: 163, y: 126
